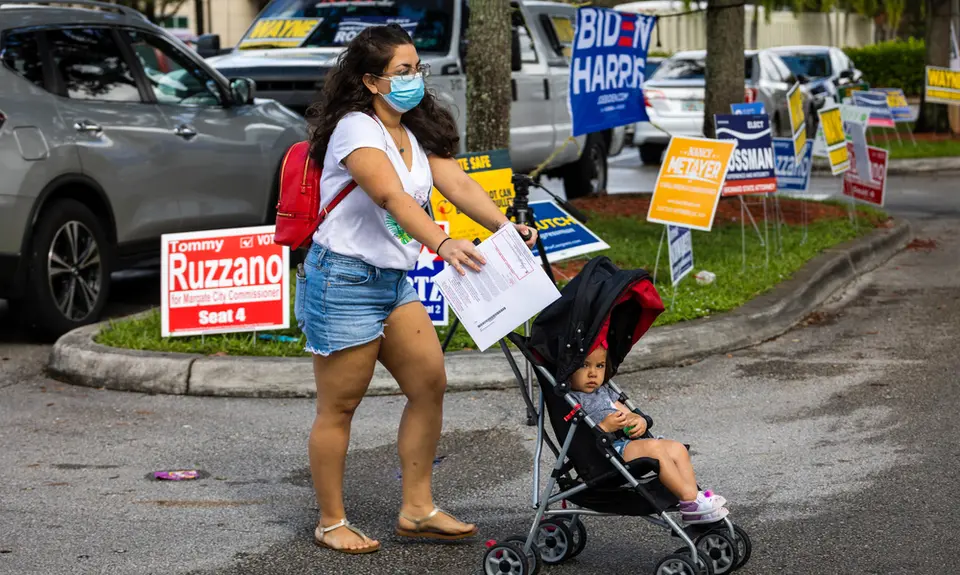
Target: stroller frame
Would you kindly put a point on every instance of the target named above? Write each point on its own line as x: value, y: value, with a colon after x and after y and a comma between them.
x: 542, y: 504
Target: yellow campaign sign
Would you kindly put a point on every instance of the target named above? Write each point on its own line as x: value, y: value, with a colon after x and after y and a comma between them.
x: 942, y: 86
x: 490, y: 169
x: 689, y: 183
x: 835, y: 140
x: 280, y: 32
x: 896, y: 100
x: 798, y: 121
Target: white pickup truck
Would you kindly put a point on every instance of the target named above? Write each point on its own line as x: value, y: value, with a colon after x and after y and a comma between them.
x: 290, y: 46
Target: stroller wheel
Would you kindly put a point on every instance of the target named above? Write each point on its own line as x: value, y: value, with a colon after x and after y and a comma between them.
x: 508, y: 558
x: 677, y: 564
x: 579, y: 531
x: 705, y: 565
x: 743, y: 546
x: 555, y: 541
x: 720, y: 549
x: 533, y: 557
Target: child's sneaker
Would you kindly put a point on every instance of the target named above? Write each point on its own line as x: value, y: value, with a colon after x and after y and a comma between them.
x: 705, y: 503
x: 709, y: 517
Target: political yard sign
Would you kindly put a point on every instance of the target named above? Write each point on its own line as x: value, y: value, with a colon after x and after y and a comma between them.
x: 793, y: 174
x: 562, y: 235
x: 680, y: 240
x: 747, y: 109
x: 608, y: 69
x: 421, y: 277
x: 752, y: 166
x: 876, y: 102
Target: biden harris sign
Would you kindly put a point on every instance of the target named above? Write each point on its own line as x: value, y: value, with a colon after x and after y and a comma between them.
x: 608, y: 69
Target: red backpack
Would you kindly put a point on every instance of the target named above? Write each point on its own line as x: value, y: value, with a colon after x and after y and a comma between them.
x: 298, y: 204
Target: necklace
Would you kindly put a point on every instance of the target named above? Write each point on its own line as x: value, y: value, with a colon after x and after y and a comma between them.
x: 400, y: 143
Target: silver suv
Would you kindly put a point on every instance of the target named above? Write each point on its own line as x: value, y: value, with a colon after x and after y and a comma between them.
x: 113, y: 132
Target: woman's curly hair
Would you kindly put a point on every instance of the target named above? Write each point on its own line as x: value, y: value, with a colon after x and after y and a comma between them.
x: 344, y: 92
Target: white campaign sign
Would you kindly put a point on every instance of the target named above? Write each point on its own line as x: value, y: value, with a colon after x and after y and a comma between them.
x: 680, y: 240
x: 507, y: 291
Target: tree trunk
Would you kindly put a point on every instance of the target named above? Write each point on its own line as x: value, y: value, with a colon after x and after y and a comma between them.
x: 488, y: 75
x: 933, y: 117
x: 725, y: 73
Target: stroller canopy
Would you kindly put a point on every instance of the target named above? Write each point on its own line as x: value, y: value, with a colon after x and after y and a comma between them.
x: 601, y: 303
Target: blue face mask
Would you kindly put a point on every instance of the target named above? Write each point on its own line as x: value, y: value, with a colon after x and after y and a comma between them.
x: 405, y: 93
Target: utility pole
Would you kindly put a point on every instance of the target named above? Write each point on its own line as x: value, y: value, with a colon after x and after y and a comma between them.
x: 198, y: 15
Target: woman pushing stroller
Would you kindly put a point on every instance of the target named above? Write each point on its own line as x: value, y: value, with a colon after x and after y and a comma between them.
x: 589, y: 385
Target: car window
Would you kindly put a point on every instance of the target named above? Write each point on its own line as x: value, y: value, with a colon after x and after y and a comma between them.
x: 91, y: 65
x: 21, y: 55
x: 528, y: 53
x: 562, y: 29
x: 784, y: 71
x: 812, y: 65
x: 172, y: 75
x: 691, y: 69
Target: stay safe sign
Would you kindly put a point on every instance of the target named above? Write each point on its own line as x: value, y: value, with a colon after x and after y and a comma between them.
x: 688, y: 186
x: 492, y: 170
x: 223, y: 281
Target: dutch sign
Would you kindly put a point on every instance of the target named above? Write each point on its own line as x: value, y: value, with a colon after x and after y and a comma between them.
x: 897, y: 102
x: 798, y: 122
x: 608, y: 69
x: 793, y: 174
x: 223, y: 281
x: 873, y: 188
x: 689, y: 183
x: 942, y: 85
x: 279, y: 32
x: 563, y: 236
x: 680, y: 241
x: 751, y: 109
x: 422, y: 276
x: 876, y: 102
x: 752, y: 166
x: 491, y: 169
x: 834, y: 139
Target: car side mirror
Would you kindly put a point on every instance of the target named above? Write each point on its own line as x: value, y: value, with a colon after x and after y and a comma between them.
x: 847, y: 74
x: 243, y: 90
x: 515, y: 63
x: 803, y: 78
x: 208, y: 45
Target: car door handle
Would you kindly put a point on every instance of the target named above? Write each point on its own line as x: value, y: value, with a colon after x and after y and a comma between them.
x: 85, y: 126
x: 185, y: 131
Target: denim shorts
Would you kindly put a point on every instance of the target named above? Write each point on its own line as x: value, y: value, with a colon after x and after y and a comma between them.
x: 619, y: 445
x: 342, y: 302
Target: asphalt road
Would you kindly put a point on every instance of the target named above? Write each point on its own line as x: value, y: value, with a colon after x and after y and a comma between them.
x: 834, y: 444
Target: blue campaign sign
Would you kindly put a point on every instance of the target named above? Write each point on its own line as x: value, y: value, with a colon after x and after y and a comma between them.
x: 880, y: 114
x: 897, y: 101
x: 608, y: 68
x: 751, y: 109
x: 680, y: 241
x: 792, y: 176
x: 421, y: 277
x: 563, y: 236
x: 751, y: 167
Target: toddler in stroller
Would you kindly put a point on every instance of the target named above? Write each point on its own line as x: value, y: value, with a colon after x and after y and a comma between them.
x: 598, y: 470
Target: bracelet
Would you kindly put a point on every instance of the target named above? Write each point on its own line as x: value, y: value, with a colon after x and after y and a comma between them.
x: 437, y: 251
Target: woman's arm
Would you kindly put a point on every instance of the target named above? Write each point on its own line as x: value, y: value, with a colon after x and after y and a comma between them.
x: 375, y: 175
x: 469, y: 196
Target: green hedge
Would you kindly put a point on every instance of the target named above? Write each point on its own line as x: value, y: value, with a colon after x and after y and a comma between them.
x: 893, y: 64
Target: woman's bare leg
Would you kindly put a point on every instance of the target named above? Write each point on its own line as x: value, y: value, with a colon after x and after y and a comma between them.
x: 411, y: 352
x: 670, y: 475
x: 342, y: 380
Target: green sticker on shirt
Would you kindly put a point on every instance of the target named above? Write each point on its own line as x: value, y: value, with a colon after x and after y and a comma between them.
x: 397, y: 230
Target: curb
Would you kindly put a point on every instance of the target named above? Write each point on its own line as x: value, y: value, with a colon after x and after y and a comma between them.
x: 901, y: 166
x: 77, y: 359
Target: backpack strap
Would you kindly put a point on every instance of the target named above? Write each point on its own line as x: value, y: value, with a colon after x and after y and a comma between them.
x: 336, y: 200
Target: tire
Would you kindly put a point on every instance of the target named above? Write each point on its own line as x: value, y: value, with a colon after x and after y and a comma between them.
x: 588, y: 175
x: 507, y: 558
x: 579, y: 531
x: 721, y: 549
x: 70, y: 294
x: 652, y: 154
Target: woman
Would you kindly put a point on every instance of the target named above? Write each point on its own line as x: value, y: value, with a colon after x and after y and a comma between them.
x: 354, y: 303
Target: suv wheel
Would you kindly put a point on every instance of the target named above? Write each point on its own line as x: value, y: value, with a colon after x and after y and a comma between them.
x: 588, y: 175
x: 652, y: 153
x: 69, y: 270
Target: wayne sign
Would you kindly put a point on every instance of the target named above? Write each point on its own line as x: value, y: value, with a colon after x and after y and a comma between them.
x: 223, y: 281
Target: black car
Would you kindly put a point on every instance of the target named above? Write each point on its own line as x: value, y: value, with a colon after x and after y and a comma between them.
x: 820, y: 70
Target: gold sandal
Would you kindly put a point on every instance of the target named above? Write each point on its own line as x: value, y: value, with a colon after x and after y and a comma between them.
x: 432, y: 532
x: 319, y: 533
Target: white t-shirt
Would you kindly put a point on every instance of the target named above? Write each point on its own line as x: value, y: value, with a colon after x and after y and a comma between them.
x: 357, y: 227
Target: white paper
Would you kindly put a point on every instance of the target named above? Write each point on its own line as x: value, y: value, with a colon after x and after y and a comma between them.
x: 511, y: 288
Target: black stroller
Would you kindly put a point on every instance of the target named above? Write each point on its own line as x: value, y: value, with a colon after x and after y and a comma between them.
x: 621, y: 305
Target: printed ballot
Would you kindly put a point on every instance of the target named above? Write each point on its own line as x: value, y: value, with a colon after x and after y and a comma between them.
x: 507, y: 291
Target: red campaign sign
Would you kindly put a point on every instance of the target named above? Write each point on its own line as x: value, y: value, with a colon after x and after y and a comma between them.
x: 223, y: 281
x: 870, y: 192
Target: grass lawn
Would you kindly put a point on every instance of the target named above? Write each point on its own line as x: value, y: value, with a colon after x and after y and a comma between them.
x: 633, y: 244
x: 927, y: 146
